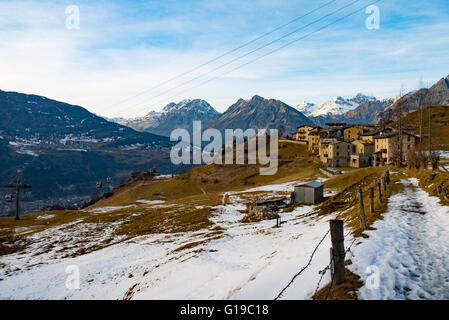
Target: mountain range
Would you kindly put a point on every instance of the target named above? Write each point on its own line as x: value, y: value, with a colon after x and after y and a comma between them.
x: 62, y: 150
x: 436, y: 95
x: 335, y: 106
x: 261, y: 113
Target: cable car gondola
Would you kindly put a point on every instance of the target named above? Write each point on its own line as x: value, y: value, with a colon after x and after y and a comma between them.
x: 99, y: 185
x: 9, y: 198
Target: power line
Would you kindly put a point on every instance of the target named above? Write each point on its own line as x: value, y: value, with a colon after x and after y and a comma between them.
x: 226, y: 53
x: 255, y: 50
x: 279, y: 48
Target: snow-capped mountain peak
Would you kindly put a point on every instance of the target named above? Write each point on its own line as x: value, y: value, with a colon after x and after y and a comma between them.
x: 174, y: 115
x: 339, y: 105
x: 361, y: 98
x: 306, y: 107
x: 197, y: 105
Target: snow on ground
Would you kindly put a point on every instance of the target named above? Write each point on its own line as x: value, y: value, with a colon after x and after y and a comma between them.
x: 51, y: 246
x: 409, y: 247
x: 164, y: 176
x: 109, y: 209
x: 45, y: 217
x: 444, y: 154
x: 235, y: 261
x: 150, y: 201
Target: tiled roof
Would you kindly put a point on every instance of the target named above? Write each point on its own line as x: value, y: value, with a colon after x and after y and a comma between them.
x: 311, y: 184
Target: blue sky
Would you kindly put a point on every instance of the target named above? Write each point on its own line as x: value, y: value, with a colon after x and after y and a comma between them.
x: 124, y: 48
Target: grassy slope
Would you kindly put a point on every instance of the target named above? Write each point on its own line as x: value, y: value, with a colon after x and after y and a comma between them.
x: 439, y: 120
x: 188, y: 198
x: 436, y: 183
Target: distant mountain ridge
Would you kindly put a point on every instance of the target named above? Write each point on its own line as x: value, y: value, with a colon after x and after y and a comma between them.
x: 436, y: 95
x: 260, y: 113
x: 339, y: 105
x: 256, y: 113
x: 173, y: 116
x: 62, y: 149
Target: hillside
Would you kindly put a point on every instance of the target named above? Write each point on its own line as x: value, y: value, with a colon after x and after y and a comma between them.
x: 62, y: 150
x: 436, y: 95
x: 156, y: 233
x: 260, y: 113
x: 439, y: 124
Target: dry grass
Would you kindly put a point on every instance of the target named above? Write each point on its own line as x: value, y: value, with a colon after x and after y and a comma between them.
x: 348, y: 198
x: 344, y: 291
x: 436, y: 183
x: 188, y: 198
x: 30, y: 223
x: 352, y: 216
x: 11, y: 244
x: 295, y: 162
x: 439, y: 119
x: 347, y: 185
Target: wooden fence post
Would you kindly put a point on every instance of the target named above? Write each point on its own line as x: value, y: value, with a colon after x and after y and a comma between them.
x: 380, y: 190
x: 331, y: 257
x: 362, y: 210
x: 384, y: 178
x: 338, y: 250
x: 371, y: 199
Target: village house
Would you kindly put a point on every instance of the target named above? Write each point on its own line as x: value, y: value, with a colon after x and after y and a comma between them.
x: 334, y: 131
x: 387, y: 147
x: 369, y: 136
x: 360, y: 145
x: 303, y: 132
x: 335, y: 154
x: 323, y: 148
x: 407, y: 129
x: 313, y: 141
x: 362, y: 153
x: 354, y: 132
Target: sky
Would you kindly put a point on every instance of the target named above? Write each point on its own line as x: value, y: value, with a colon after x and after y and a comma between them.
x: 128, y: 58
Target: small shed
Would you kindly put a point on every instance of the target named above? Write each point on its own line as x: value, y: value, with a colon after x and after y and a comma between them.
x: 310, y: 193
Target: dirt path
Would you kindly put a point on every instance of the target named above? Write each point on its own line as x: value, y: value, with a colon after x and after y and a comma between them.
x: 410, y: 248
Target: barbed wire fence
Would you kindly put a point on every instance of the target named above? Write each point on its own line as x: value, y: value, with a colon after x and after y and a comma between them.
x: 323, y: 271
x: 313, y: 252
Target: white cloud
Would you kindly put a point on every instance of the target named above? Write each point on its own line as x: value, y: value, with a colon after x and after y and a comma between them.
x: 106, y: 60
